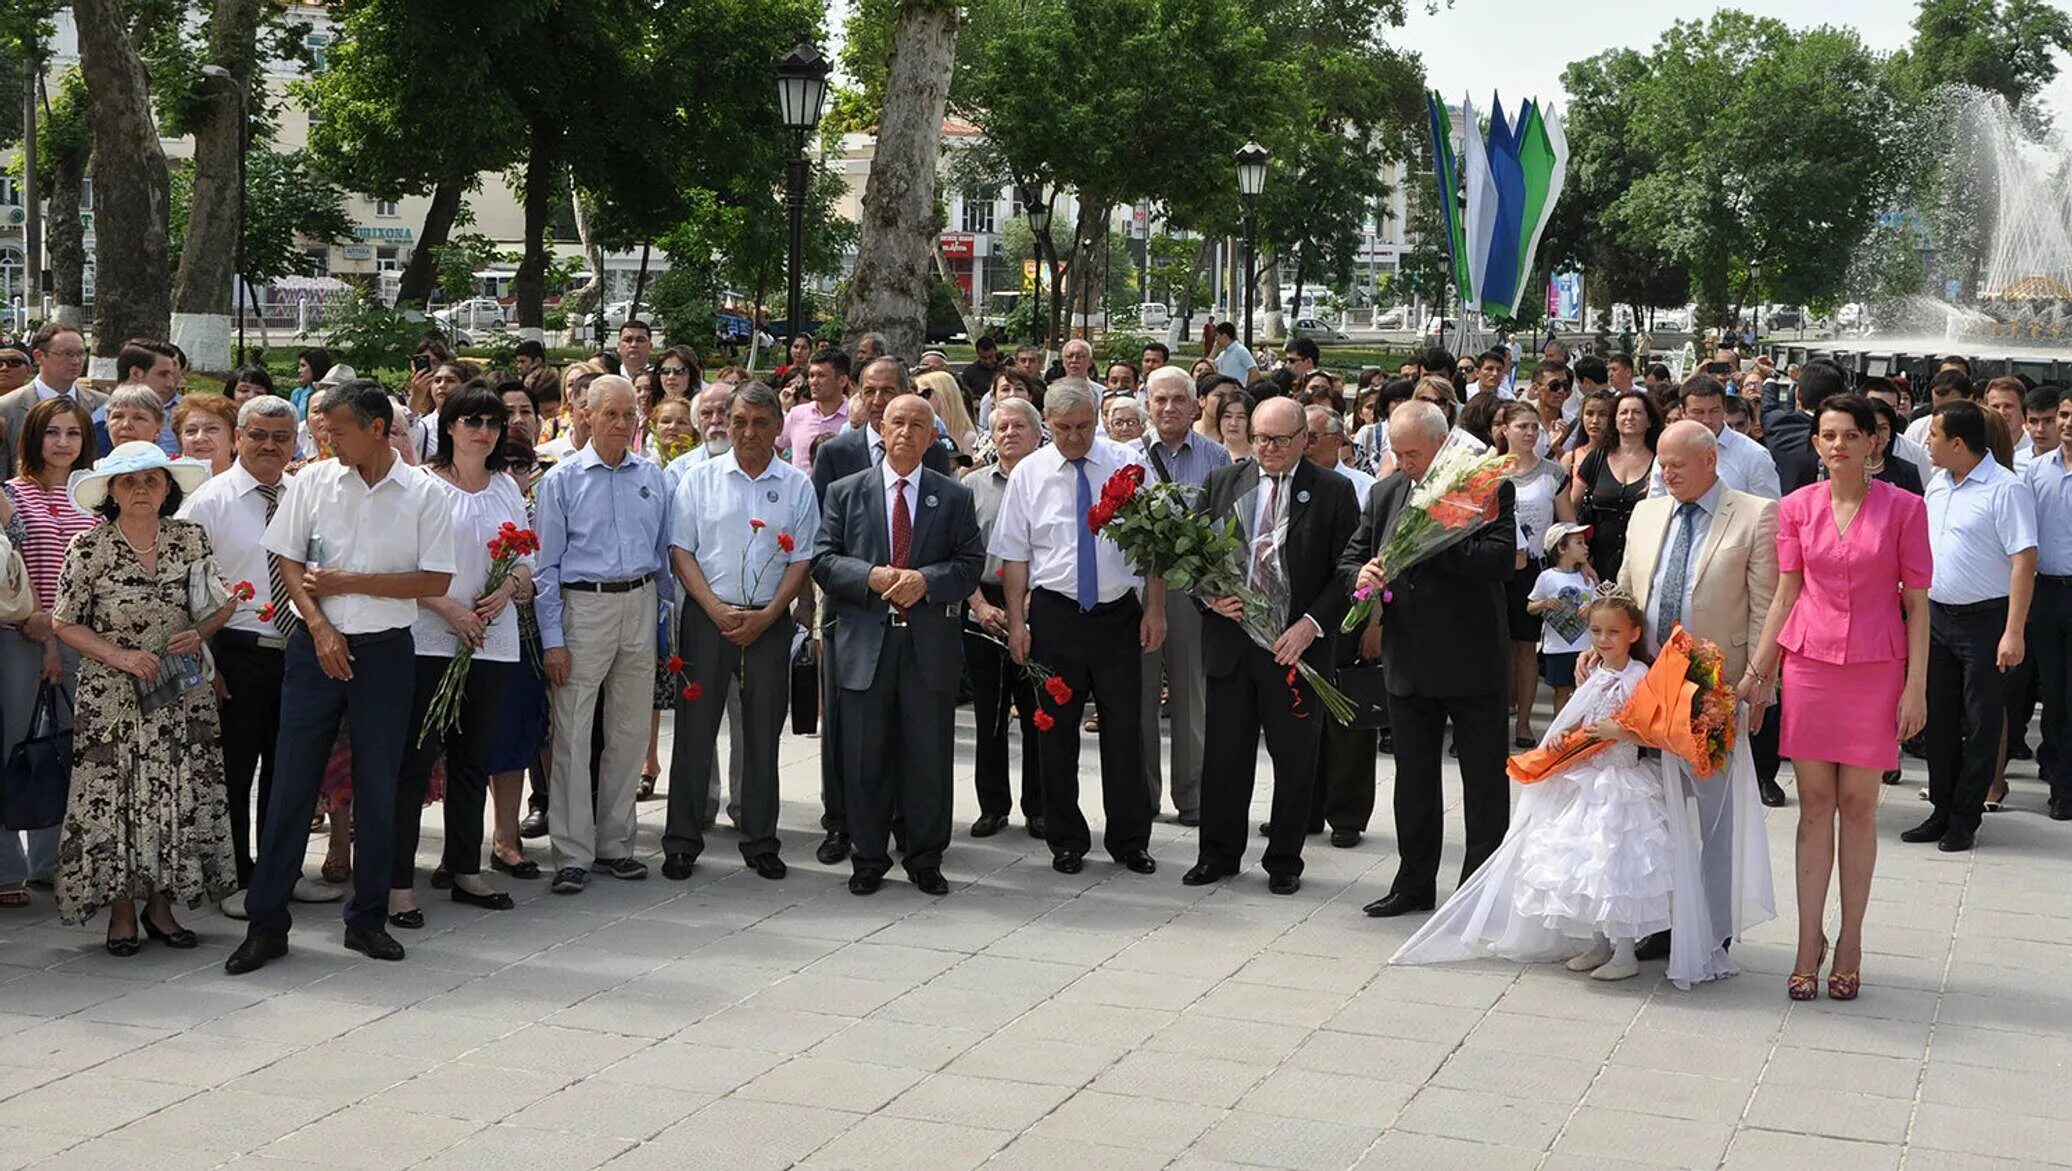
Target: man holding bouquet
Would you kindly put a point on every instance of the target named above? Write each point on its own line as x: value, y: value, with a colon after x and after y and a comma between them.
x: 1296, y: 518
x: 1446, y: 654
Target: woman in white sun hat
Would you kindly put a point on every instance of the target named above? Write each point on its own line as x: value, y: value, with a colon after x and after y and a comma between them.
x: 137, y: 597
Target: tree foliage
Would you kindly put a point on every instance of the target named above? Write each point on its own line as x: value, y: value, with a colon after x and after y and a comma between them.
x: 292, y: 206
x: 2008, y: 47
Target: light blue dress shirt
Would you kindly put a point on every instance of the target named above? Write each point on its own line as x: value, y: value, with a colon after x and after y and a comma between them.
x: 1974, y: 530
x: 710, y: 519
x: 597, y: 523
x: 2051, y: 483
x: 1701, y: 526
x: 1197, y: 456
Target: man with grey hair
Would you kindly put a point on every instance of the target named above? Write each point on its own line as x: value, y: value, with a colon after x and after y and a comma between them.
x: 998, y: 688
x: 711, y: 407
x: 1176, y: 453
x: 1072, y: 605
x: 1447, y: 655
x: 1078, y: 359
x: 859, y: 447
x: 1327, y: 449
x: 234, y: 508
x: 870, y: 347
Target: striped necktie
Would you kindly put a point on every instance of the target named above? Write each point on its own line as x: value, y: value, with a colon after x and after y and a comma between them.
x: 285, y: 619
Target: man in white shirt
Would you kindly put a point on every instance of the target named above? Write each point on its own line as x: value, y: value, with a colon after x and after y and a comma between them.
x: 1327, y: 450
x: 358, y: 540
x: 2050, y: 618
x: 1233, y: 360
x: 577, y: 434
x: 1072, y: 606
x: 1744, y: 464
x: 2005, y: 396
x: 1982, y: 532
x: 1948, y: 385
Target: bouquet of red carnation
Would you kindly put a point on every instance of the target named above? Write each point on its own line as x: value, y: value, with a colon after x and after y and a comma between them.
x: 509, y: 544
x: 1164, y: 536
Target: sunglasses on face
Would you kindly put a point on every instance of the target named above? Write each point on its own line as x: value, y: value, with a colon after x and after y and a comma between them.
x: 675, y: 371
x: 14, y: 362
x: 478, y: 422
x: 284, y: 438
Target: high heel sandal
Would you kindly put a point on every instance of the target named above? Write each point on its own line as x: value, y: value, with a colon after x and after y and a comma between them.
x: 1806, y: 985
x: 1845, y: 985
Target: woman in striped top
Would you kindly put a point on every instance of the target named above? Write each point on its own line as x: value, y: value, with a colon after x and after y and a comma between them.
x: 56, y: 440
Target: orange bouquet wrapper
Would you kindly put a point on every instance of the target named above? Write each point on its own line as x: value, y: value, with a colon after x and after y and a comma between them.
x: 1683, y: 706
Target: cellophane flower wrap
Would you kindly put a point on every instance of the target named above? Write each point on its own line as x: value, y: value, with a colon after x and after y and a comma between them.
x: 505, y: 549
x: 1455, y: 499
x: 1158, y: 528
x: 1682, y: 706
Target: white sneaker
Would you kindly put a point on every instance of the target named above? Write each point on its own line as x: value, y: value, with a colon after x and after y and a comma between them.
x: 234, y: 905
x: 1589, y: 961
x: 307, y: 891
x: 1617, y: 970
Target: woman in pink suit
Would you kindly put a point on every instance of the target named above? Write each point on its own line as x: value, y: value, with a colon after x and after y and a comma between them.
x: 1851, y: 619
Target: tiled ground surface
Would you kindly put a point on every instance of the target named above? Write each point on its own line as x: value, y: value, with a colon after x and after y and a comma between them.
x: 1037, y: 1020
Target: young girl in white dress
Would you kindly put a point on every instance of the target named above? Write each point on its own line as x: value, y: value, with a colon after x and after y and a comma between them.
x: 1586, y: 869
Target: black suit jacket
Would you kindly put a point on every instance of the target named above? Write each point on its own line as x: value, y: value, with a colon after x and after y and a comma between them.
x: 850, y: 452
x: 1321, y: 519
x: 1446, y: 620
x: 947, y: 549
x: 1788, y: 433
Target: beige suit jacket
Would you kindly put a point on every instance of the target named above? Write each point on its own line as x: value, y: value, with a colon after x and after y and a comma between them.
x: 1736, y: 570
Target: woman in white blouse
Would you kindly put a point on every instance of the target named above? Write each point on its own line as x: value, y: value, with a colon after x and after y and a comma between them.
x: 468, y: 463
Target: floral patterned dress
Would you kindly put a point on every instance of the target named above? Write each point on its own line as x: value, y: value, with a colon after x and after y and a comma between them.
x: 148, y: 812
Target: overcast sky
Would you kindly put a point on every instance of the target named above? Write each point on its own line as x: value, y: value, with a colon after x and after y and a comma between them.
x: 1519, y: 47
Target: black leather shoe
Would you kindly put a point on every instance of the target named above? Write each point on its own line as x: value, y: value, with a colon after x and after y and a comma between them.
x: 442, y: 878
x: 930, y: 882
x: 125, y: 947
x: 1397, y: 903
x: 833, y: 848
x: 1385, y: 743
x: 1345, y: 839
x: 2061, y: 807
x: 1189, y: 818
x: 179, y: 938
x: 524, y: 868
x: 1284, y: 884
x: 1038, y: 828
x: 495, y: 900
x: 410, y: 920
x: 1204, y: 873
x: 1891, y: 776
x: 768, y: 865
x: 1931, y: 830
x: 865, y: 884
x: 1956, y: 841
x: 677, y: 867
x: 1068, y: 863
x: 375, y: 945
x: 254, y: 953
x: 1654, y: 947
x: 1139, y: 862
x: 534, y: 826
x: 1771, y: 792
x: 988, y: 824
x: 1265, y: 829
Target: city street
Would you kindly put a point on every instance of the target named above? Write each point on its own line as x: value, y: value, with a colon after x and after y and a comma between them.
x: 1033, y: 1019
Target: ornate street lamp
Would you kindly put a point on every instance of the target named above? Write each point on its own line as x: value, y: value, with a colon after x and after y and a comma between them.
x: 1251, y: 180
x: 801, y: 90
x: 1036, y: 205
x: 1755, y: 318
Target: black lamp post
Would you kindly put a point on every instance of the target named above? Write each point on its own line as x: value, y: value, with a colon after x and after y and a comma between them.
x: 244, y: 147
x: 1251, y: 180
x: 1755, y: 288
x: 801, y: 88
x: 1037, y: 206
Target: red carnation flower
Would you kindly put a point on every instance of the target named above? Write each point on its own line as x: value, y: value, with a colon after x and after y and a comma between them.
x: 1043, y: 721
x: 675, y: 665
x: 1058, y: 689
x: 785, y: 542
x: 243, y: 591
x: 266, y: 612
x: 692, y: 693
x: 756, y: 525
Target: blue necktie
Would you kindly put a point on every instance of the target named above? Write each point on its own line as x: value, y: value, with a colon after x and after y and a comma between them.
x: 1669, y: 607
x: 1089, y: 592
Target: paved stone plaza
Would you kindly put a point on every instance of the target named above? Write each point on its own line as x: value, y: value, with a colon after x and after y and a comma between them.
x: 1033, y: 1019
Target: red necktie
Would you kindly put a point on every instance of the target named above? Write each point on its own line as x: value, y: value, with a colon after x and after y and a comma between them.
x: 902, y: 528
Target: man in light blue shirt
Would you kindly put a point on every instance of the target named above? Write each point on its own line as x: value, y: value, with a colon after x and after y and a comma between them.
x: 1982, y: 531
x: 1232, y: 358
x: 742, y: 544
x: 2050, y: 619
x: 602, y: 517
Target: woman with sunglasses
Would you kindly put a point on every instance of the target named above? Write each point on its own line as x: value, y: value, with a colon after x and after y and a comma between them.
x: 680, y: 373
x: 940, y: 388
x: 469, y: 465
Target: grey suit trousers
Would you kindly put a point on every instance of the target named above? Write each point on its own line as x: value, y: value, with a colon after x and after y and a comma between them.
x: 1180, y: 661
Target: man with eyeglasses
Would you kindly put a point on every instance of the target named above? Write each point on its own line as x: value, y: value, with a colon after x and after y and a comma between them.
x: 234, y: 508
x: 60, y: 354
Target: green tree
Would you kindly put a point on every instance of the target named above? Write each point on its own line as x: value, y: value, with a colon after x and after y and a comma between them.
x: 2007, y: 47
x: 292, y: 205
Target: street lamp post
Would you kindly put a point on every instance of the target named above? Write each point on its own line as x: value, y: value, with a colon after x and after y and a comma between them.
x: 1251, y: 180
x: 1037, y: 207
x: 244, y: 148
x: 801, y: 88
x: 1755, y: 288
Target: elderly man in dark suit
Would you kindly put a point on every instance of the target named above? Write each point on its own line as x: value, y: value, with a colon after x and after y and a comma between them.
x: 861, y: 447
x: 899, y: 550
x: 1297, y: 518
x: 1444, y: 651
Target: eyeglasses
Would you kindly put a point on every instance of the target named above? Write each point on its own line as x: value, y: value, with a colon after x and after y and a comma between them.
x: 14, y: 363
x: 675, y: 371
x: 1261, y: 439
x: 479, y: 422
x: 1561, y: 386
x: 64, y: 353
x: 284, y: 438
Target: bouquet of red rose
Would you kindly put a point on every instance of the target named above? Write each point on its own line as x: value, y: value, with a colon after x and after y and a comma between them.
x: 509, y: 544
x: 1163, y: 535
x: 1456, y: 497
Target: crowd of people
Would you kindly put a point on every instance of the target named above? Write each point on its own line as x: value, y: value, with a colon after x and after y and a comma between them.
x: 279, y: 613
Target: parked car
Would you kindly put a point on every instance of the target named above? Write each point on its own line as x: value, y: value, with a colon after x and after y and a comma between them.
x: 475, y: 313
x: 1317, y: 331
x: 1396, y: 318
x: 1784, y: 317
x: 1154, y: 315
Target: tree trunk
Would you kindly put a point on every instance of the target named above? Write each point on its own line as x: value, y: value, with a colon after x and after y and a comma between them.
x: 529, y: 287
x: 66, y: 236
x: 888, y: 292
x: 1183, y: 312
x: 203, y: 288
x: 421, y: 275
x: 972, y: 326
x: 640, y: 280
x: 1267, y: 314
x: 131, y: 297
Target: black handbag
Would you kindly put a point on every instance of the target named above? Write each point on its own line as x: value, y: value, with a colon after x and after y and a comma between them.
x: 1367, y: 687
x: 38, y: 777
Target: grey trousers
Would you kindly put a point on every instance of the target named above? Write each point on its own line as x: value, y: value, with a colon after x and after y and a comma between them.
x: 1180, y: 661
x: 31, y: 854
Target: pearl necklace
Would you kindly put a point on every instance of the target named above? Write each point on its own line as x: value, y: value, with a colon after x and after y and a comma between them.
x: 141, y: 550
